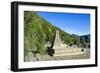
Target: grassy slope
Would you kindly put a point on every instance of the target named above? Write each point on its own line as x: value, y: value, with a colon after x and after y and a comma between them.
x: 37, y: 32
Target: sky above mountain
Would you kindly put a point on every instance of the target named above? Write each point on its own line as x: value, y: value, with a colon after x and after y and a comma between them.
x: 73, y: 23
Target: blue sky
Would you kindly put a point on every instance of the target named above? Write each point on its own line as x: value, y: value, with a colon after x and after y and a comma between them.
x: 73, y: 23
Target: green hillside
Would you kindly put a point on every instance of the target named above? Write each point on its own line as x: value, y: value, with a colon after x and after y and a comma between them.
x: 38, y: 32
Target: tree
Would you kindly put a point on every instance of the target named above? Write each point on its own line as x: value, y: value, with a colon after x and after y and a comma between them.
x: 82, y: 41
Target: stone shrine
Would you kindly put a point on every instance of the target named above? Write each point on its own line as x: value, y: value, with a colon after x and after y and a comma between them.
x: 62, y: 49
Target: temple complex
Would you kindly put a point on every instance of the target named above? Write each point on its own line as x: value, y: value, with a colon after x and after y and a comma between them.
x: 62, y: 49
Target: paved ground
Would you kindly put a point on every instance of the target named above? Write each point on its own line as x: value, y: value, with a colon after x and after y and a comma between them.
x: 67, y: 57
x: 86, y: 55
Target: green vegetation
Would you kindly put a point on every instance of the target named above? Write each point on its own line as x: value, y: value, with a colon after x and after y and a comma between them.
x: 38, y: 32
